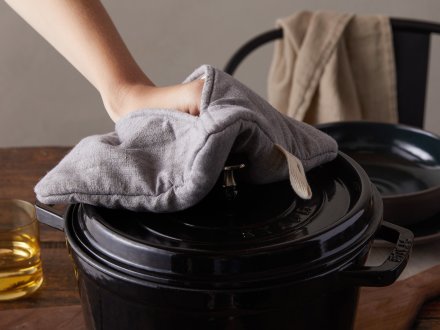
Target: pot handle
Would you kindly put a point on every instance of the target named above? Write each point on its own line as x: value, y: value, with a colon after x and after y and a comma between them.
x: 389, y: 271
x: 50, y: 216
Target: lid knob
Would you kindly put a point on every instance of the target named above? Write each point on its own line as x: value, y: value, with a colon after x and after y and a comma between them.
x: 229, y: 183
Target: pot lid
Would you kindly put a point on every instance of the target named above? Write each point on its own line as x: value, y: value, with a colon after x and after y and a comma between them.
x: 266, y: 230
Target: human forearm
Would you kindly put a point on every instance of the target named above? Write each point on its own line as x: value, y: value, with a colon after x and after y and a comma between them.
x: 82, y: 31
x: 84, y: 34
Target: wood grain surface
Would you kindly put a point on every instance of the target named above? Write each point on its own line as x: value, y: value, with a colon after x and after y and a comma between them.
x: 56, y: 304
x: 44, y: 318
x: 395, y: 307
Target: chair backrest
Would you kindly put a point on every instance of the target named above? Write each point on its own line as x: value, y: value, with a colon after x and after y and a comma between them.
x: 411, y: 49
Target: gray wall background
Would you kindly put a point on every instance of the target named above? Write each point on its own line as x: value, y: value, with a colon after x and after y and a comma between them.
x: 44, y: 101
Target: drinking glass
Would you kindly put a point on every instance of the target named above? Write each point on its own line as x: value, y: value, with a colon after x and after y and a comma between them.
x: 20, y: 264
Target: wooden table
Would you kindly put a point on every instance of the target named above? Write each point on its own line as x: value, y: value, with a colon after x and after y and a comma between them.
x: 56, y: 305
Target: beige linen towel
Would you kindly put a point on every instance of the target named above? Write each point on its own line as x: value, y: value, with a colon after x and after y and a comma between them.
x: 334, y: 67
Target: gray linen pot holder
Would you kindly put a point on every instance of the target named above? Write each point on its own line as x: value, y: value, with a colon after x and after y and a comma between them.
x: 162, y: 160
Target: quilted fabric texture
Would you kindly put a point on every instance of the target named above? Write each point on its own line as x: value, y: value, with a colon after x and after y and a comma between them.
x: 162, y: 160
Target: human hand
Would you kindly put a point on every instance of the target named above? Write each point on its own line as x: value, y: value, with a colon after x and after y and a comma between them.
x: 183, y: 97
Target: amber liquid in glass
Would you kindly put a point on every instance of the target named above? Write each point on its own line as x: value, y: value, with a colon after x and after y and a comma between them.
x: 20, y: 266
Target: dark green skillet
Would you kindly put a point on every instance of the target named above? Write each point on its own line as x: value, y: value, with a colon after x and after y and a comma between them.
x: 403, y: 162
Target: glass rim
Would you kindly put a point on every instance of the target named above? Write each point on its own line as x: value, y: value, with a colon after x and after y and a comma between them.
x: 28, y: 207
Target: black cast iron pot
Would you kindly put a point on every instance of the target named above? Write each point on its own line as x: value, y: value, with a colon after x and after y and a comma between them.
x: 266, y: 260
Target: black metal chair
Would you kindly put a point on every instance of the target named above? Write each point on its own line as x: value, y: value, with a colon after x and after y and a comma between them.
x: 411, y: 49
